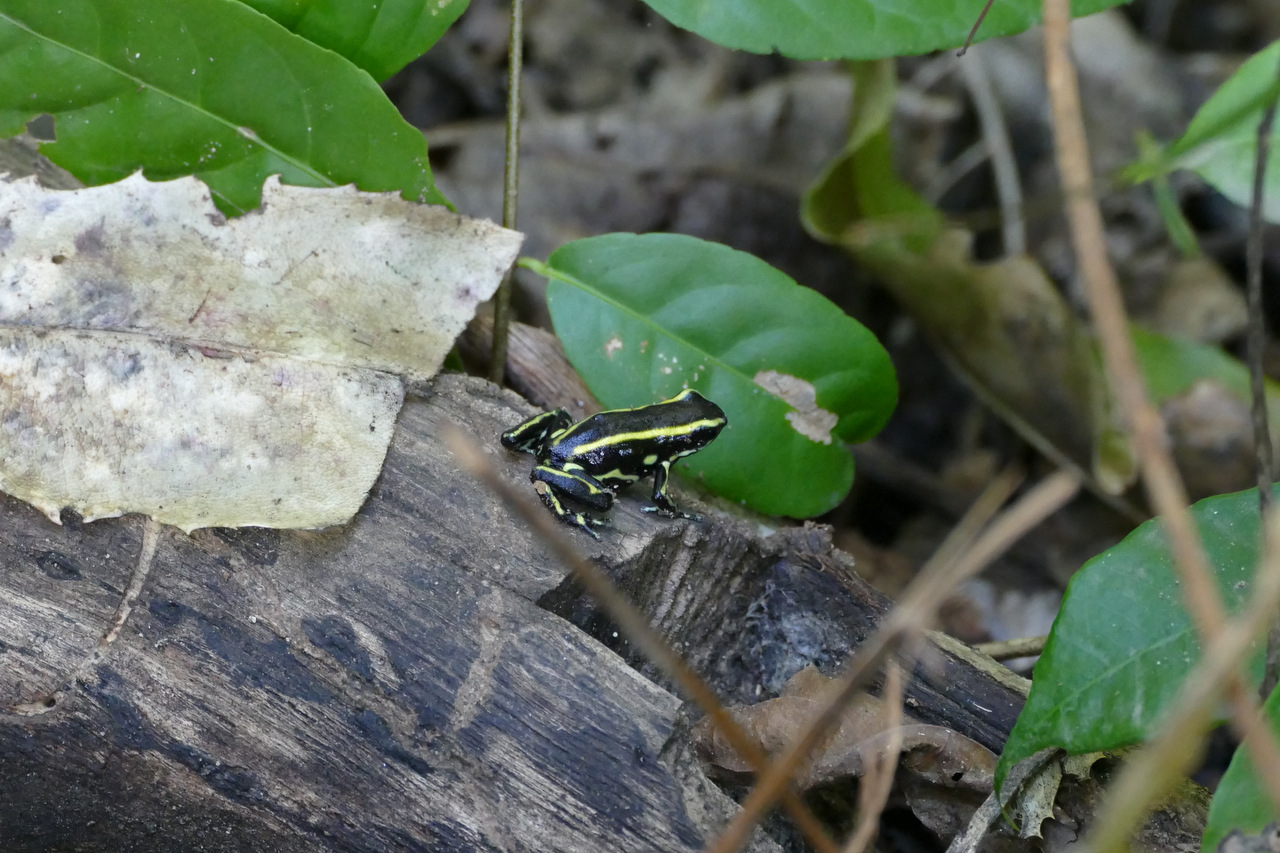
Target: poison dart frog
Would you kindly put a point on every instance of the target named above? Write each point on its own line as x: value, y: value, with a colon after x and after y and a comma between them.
x: 589, y: 461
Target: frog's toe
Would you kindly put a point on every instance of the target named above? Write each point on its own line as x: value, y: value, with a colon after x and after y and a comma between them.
x: 587, y: 522
x: 583, y: 521
x: 671, y: 513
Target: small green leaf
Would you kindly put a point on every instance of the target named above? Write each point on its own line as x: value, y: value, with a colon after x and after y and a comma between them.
x: 1241, y: 801
x: 1123, y: 642
x: 643, y: 316
x: 380, y: 36
x: 853, y: 29
x: 1173, y: 365
x: 1221, y: 143
x: 208, y: 88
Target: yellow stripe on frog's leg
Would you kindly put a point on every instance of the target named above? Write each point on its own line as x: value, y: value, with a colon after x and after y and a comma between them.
x: 580, y: 487
x: 574, y: 519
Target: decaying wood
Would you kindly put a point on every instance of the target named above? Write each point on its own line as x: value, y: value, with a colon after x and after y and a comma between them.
x: 387, y: 685
x: 403, y: 682
x: 408, y: 681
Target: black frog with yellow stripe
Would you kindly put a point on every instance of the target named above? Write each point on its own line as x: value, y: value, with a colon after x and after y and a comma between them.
x: 590, y: 461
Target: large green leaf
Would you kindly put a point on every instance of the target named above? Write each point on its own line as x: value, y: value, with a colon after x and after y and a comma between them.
x: 380, y: 36
x: 643, y: 316
x: 853, y: 29
x: 204, y: 87
x: 1241, y: 801
x: 1123, y: 642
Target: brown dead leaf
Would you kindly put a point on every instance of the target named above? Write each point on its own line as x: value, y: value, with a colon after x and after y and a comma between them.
x: 935, y: 755
x: 157, y: 358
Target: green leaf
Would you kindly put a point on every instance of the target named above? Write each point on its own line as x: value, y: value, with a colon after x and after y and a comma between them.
x: 644, y: 316
x: 853, y: 29
x: 1221, y: 143
x: 1123, y: 642
x: 380, y: 36
x: 208, y: 88
x: 1241, y: 801
x: 1173, y: 365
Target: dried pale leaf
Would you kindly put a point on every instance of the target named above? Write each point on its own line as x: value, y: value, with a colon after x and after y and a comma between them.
x: 1079, y: 766
x: 933, y: 754
x: 157, y: 358
x: 110, y: 423
x: 1034, y: 803
x: 334, y: 275
x: 809, y: 419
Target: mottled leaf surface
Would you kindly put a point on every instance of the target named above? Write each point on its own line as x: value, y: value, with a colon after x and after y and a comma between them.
x: 158, y: 358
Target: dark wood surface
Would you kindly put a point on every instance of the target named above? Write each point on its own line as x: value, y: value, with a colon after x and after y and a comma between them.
x: 419, y: 679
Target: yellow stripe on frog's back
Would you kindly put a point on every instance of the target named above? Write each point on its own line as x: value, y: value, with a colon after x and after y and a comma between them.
x: 647, y: 434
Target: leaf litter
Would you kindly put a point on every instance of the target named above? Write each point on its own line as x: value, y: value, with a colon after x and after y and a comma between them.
x: 158, y: 358
x: 935, y: 754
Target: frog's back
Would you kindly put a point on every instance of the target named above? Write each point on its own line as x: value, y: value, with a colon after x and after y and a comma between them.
x: 632, y: 440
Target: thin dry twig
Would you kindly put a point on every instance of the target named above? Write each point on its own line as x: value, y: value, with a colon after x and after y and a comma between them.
x: 877, y: 781
x: 954, y: 169
x: 510, y: 190
x: 1020, y: 647
x: 1257, y: 340
x: 996, y: 134
x: 138, y: 579
x: 1164, y: 486
x: 635, y: 626
x: 1257, y: 337
x: 916, y: 610
x: 973, y: 32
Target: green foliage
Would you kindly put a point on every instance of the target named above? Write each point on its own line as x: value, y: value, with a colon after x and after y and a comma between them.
x: 1123, y: 642
x: 208, y: 88
x: 380, y: 36
x: 643, y: 316
x: 853, y: 29
x: 1241, y: 801
x: 1172, y: 366
x: 1221, y: 143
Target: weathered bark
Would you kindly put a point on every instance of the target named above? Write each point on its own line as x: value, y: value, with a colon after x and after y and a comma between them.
x: 391, y: 684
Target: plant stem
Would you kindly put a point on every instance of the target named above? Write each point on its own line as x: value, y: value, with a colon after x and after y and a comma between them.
x: 1257, y: 340
x: 510, y: 190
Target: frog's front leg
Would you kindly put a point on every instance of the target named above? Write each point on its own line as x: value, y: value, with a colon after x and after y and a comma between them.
x: 662, y: 501
x: 558, y: 484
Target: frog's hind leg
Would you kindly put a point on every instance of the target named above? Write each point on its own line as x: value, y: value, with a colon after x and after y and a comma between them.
x: 553, y: 485
x: 533, y: 434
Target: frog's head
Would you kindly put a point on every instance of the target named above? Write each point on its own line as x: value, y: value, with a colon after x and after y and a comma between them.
x: 702, y: 420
